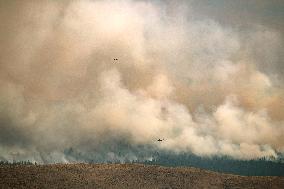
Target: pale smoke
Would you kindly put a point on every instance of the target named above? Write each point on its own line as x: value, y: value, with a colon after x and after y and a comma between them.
x: 193, y: 82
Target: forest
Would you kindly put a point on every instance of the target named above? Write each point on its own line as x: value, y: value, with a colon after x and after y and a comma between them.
x: 224, y: 164
x: 255, y: 167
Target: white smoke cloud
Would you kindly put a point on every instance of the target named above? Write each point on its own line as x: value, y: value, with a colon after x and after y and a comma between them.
x: 195, y: 83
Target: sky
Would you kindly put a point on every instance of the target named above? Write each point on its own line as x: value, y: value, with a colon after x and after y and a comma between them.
x: 207, y: 76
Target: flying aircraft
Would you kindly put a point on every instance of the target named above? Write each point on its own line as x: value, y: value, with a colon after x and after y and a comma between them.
x: 160, y: 140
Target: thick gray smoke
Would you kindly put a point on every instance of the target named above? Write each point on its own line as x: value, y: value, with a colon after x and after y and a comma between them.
x: 205, y: 86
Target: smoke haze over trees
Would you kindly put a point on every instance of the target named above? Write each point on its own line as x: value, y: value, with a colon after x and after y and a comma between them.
x: 207, y: 77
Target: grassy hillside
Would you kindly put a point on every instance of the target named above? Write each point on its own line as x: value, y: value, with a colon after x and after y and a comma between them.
x: 125, y: 176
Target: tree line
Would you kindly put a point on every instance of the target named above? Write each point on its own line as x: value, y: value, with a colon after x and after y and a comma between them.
x: 17, y: 163
x: 224, y: 164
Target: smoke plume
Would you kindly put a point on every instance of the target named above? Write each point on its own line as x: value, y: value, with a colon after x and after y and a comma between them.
x: 205, y: 86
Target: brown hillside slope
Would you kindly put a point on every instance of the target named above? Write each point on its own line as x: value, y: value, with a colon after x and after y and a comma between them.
x: 125, y: 176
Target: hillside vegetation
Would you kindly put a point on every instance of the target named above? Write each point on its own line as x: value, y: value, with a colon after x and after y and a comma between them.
x: 125, y: 176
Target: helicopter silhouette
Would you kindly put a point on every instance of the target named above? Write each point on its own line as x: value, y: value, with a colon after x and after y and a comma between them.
x: 160, y: 140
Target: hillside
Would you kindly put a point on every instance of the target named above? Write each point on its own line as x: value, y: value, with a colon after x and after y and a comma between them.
x: 125, y: 176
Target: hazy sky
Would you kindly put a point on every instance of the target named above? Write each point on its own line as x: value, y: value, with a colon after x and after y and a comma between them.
x: 205, y: 75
